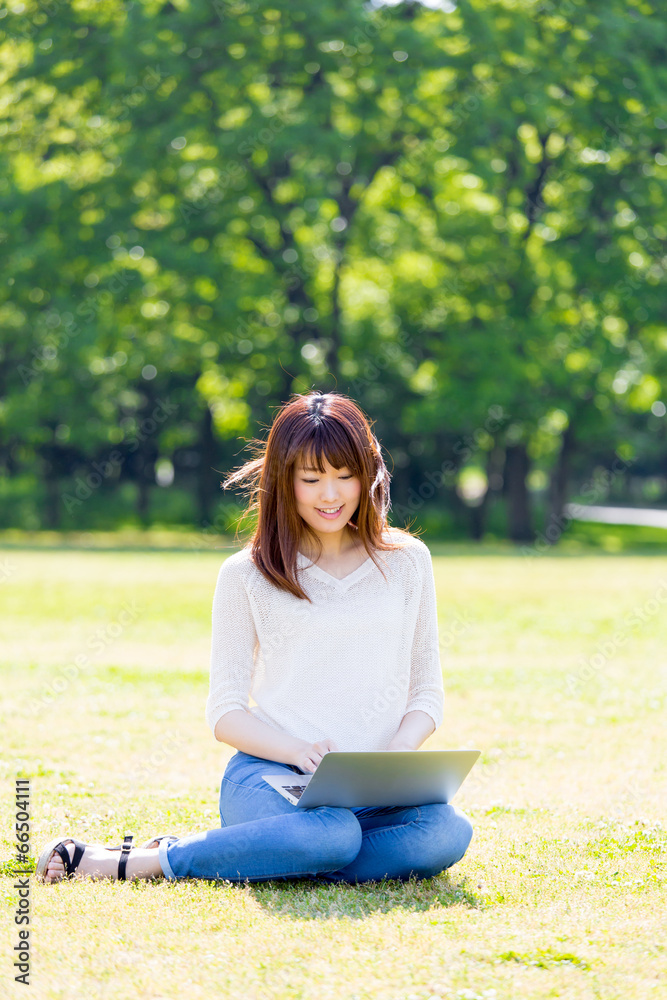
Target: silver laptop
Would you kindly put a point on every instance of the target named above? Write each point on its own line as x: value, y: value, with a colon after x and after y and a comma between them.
x: 355, y: 779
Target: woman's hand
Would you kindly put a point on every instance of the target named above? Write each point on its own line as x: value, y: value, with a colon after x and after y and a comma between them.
x: 310, y: 755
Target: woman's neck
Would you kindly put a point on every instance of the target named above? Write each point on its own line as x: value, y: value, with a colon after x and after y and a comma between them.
x: 334, y: 546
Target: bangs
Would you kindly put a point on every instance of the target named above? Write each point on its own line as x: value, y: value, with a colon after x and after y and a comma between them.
x: 335, y: 447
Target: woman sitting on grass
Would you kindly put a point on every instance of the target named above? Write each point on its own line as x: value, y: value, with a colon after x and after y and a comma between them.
x: 338, y: 653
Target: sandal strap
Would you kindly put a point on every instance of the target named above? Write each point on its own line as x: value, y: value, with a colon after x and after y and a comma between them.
x: 163, y: 836
x: 70, y: 866
x: 124, y: 855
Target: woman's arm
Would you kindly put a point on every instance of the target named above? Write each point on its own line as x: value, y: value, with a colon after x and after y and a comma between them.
x: 415, y: 728
x: 234, y: 643
x: 242, y: 730
x: 424, y: 708
x: 426, y: 692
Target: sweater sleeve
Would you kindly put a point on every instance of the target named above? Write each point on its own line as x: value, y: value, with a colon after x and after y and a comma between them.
x: 426, y: 692
x: 233, y: 643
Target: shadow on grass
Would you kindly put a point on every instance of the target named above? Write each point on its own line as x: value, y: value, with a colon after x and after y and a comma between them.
x: 308, y: 899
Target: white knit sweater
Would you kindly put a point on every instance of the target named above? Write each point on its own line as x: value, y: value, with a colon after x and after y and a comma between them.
x: 348, y: 666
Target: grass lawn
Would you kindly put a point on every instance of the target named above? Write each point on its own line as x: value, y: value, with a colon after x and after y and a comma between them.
x: 554, y: 665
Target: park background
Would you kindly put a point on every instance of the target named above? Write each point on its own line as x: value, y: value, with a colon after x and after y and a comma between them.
x: 454, y: 214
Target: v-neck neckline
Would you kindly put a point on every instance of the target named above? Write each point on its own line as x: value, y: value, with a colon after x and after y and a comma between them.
x: 303, y: 562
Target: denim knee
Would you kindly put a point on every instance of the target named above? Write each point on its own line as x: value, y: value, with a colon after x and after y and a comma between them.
x: 336, y: 838
x: 449, y: 832
x: 462, y: 831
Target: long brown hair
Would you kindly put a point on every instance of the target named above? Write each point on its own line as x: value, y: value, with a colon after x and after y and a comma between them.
x: 305, y: 429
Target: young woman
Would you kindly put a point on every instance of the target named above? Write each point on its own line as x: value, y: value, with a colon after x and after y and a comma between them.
x: 328, y: 618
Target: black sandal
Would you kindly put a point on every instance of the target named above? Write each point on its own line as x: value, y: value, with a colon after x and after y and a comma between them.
x: 124, y: 855
x: 58, y: 846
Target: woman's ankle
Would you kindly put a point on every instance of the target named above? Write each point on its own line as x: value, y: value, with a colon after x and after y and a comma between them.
x: 143, y: 863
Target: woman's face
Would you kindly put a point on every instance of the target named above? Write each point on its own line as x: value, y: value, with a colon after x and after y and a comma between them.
x: 318, y: 492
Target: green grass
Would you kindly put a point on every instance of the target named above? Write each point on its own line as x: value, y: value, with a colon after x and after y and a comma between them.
x: 554, y: 666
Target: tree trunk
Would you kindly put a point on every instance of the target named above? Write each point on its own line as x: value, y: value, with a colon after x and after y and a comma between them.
x: 558, y: 487
x: 143, y: 488
x: 477, y: 519
x: 478, y: 514
x: 52, y: 505
x: 207, y: 480
x: 516, y: 493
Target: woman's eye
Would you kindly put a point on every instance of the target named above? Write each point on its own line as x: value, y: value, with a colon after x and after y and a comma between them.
x: 315, y: 480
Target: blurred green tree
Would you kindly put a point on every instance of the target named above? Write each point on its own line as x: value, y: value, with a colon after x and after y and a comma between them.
x: 456, y: 216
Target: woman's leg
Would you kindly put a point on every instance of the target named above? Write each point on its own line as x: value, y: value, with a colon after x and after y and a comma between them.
x: 263, y: 836
x: 399, y: 842
x: 99, y: 862
x: 396, y: 841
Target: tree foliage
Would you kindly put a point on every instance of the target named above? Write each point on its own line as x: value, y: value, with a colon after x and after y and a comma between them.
x: 456, y: 216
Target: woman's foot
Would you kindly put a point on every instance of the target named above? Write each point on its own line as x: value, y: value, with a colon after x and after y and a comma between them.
x: 98, y: 862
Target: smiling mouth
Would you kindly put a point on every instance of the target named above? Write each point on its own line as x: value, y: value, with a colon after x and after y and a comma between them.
x: 329, y: 510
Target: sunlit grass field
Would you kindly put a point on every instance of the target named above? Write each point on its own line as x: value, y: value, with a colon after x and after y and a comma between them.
x: 554, y: 665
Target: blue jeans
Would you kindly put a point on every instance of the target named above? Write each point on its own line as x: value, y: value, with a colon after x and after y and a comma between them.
x: 263, y: 837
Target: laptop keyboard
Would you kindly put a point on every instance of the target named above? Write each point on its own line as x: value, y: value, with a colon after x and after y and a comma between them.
x: 295, y: 790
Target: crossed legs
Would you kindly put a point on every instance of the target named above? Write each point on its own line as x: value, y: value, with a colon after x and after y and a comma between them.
x: 263, y: 837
